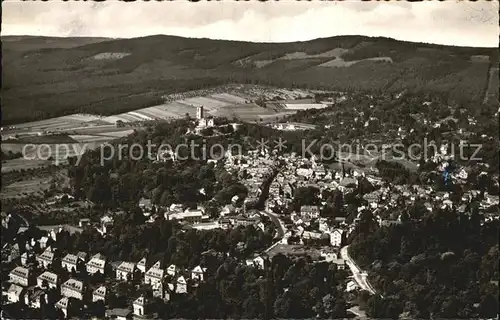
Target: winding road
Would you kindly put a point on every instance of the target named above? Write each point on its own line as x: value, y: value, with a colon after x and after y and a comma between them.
x: 359, y: 275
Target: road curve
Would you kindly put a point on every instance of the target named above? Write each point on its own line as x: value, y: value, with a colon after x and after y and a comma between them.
x: 359, y: 275
x: 277, y: 222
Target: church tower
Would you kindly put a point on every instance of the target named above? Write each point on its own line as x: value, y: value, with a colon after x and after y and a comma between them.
x: 199, y: 112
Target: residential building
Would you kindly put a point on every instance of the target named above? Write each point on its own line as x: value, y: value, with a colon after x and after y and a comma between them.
x: 24, y: 259
x: 171, y: 270
x: 139, y: 306
x: 118, y: 314
x: 70, y: 262
x: 14, y: 293
x: 189, y: 216
x: 198, y: 273
x: 99, y: 294
x: 46, y: 258
x: 20, y: 276
x: 351, y: 286
x: 161, y: 292
x: 125, y: 271
x: 63, y: 305
x: 49, y: 277
x: 43, y: 242
x: 259, y: 262
x: 72, y: 289
x: 181, y: 285
x: 141, y: 265
x: 154, y: 276
x: 336, y: 237
x: 312, y: 211
x: 96, y: 264
x: 34, y: 297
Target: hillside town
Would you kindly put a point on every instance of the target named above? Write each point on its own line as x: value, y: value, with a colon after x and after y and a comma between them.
x: 309, y: 206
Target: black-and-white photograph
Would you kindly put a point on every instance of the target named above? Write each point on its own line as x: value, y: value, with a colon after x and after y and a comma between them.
x: 250, y: 160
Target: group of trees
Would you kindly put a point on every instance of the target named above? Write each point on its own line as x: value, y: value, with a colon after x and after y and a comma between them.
x: 445, y: 265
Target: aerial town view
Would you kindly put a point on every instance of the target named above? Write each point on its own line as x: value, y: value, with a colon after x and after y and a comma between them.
x: 250, y: 160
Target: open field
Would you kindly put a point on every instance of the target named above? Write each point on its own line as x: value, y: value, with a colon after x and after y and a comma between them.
x: 22, y: 188
x: 296, y: 106
x: 21, y: 163
x: 113, y: 76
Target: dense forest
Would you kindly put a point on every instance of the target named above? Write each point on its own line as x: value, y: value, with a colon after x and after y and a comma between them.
x: 443, y: 265
x: 179, y: 64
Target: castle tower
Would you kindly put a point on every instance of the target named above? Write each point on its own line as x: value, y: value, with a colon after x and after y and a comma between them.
x: 199, y: 112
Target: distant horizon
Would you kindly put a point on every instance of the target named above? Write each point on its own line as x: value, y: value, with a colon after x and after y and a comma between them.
x: 449, y: 23
x: 215, y: 39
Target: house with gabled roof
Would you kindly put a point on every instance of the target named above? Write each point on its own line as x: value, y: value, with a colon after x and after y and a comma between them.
x: 24, y: 259
x: 43, y: 242
x: 72, y: 288
x: 125, y: 271
x: 63, y: 305
x: 181, y: 285
x: 14, y: 293
x: 141, y: 265
x: 198, y: 273
x: 46, y: 258
x: 172, y: 270
x: 70, y: 262
x: 154, y: 276
x: 96, y: 264
x: 99, y: 294
x: 20, y: 276
x: 139, y: 306
x: 50, y: 277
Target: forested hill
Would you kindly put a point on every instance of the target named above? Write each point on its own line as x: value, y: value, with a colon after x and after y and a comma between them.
x: 56, y: 76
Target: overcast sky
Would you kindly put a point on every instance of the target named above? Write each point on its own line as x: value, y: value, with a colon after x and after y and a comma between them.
x: 449, y: 22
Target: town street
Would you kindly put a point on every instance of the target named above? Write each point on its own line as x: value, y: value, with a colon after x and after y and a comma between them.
x: 359, y: 275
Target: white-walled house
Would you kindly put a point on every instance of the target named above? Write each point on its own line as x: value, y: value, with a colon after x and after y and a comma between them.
x: 50, y: 277
x: 172, y: 270
x: 141, y: 265
x: 63, y: 305
x: 139, y: 306
x: 46, y: 258
x: 336, y: 237
x: 69, y: 262
x: 99, y: 294
x: 125, y: 271
x: 72, y: 289
x: 96, y: 264
x: 181, y: 285
x: 198, y: 273
x: 14, y: 293
x: 154, y: 276
x: 20, y: 276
